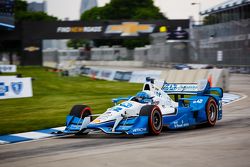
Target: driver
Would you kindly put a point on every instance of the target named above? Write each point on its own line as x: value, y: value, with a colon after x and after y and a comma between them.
x: 144, y: 97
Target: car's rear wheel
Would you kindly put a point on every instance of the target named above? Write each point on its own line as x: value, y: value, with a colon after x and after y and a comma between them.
x: 211, y: 112
x: 81, y: 111
x: 155, y: 118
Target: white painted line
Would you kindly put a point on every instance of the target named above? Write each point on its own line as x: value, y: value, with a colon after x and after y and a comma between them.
x: 242, y: 96
x: 59, y: 128
x: 33, y: 135
x: 3, y: 142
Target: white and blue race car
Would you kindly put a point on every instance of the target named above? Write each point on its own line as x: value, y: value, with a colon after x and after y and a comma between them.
x: 151, y: 109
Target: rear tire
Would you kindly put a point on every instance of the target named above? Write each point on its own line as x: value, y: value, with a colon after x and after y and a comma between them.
x: 211, y: 112
x: 155, y: 118
x: 81, y: 111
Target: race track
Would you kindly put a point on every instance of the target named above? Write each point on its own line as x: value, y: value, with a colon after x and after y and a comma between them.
x: 225, y: 145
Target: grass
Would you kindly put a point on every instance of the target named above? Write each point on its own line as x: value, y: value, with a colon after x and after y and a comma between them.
x: 53, y: 97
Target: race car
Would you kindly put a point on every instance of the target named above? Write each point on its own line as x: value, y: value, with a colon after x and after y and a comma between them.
x: 158, y: 105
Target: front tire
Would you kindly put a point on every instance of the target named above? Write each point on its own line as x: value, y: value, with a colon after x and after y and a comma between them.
x: 81, y: 111
x: 155, y: 118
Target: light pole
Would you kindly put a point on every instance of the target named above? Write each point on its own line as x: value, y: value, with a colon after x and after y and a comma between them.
x: 199, y: 5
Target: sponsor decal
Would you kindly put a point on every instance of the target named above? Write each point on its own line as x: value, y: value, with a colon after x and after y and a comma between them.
x: 117, y: 109
x: 130, y: 29
x: 180, y: 87
x: 122, y: 76
x: 79, y: 29
x: 181, y: 125
x: 220, y: 105
x: 3, y: 89
x: 199, y: 101
x: 31, y: 49
x: 139, y: 130
x: 105, y: 74
x: 96, y: 121
x: 17, y: 87
x: 170, y: 87
x: 7, y: 68
x: 158, y: 93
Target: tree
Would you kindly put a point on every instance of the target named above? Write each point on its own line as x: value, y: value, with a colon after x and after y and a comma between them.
x: 124, y: 9
x: 20, y: 6
x: 21, y: 13
x: 76, y: 43
x: 210, y: 19
x: 93, y: 14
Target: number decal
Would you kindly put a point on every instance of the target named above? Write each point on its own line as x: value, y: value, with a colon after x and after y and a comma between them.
x: 117, y: 109
x: 126, y: 105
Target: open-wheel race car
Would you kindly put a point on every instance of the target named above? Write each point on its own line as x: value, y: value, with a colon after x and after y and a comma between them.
x: 158, y: 104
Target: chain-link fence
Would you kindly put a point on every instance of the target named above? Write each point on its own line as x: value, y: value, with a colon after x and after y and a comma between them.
x: 224, y: 43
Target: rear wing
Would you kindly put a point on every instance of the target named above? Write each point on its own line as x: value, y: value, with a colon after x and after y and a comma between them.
x: 202, y: 87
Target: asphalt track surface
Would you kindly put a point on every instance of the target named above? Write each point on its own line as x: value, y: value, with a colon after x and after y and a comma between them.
x: 225, y: 145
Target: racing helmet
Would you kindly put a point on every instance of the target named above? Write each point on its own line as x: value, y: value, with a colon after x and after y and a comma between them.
x: 144, y: 97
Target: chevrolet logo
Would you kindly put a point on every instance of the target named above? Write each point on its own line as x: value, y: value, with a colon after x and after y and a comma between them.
x: 130, y: 29
x: 31, y: 49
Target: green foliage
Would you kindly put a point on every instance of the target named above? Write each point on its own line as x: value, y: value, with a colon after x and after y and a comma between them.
x: 210, y: 19
x: 33, y: 16
x: 124, y: 9
x: 148, y: 14
x: 93, y: 14
x: 53, y: 98
x: 76, y: 43
x: 20, y: 6
x: 21, y: 13
x: 139, y: 42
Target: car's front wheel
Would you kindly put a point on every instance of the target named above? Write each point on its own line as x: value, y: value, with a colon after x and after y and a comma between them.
x: 155, y: 118
x: 81, y: 111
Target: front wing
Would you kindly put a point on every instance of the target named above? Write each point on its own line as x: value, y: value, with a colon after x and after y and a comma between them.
x: 131, y: 126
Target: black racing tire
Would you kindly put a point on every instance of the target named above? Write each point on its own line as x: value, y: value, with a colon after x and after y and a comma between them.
x: 211, y: 112
x: 81, y: 111
x: 155, y: 118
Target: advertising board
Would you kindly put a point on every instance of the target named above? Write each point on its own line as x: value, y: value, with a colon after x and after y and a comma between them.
x: 12, y: 87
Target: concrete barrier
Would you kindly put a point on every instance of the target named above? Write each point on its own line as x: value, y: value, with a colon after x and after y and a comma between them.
x: 217, y: 77
x: 113, y: 63
x: 220, y: 78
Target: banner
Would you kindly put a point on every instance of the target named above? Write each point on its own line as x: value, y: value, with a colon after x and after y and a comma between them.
x: 122, y: 75
x: 11, y: 87
x: 7, y: 68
